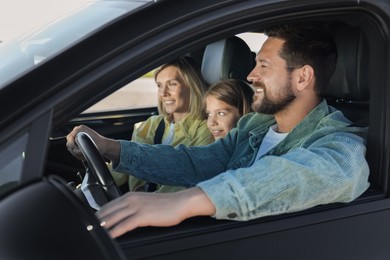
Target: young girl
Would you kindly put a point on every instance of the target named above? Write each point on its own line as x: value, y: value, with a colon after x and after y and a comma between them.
x: 226, y: 101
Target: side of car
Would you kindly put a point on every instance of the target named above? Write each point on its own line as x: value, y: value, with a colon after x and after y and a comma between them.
x: 357, y: 230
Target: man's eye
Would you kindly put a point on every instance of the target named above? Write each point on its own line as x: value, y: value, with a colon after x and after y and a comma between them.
x: 221, y: 113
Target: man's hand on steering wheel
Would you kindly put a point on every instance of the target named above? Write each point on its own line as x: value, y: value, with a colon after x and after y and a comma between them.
x: 84, y: 144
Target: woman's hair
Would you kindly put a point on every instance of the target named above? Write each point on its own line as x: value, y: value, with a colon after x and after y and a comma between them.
x: 192, y: 77
x: 233, y: 92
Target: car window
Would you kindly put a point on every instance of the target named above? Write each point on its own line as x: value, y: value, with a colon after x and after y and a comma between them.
x: 254, y: 40
x: 142, y: 93
x: 11, y: 162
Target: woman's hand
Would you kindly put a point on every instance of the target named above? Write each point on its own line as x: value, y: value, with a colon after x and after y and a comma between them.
x: 139, y: 209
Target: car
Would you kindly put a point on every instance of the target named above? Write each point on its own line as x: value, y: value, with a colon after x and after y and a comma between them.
x: 58, y: 76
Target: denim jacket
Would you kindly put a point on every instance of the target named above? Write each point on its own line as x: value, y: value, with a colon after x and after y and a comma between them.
x: 321, y: 161
x: 189, y: 131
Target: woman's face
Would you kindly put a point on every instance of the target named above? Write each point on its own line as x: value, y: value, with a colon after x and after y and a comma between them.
x: 173, y: 92
x: 221, y: 117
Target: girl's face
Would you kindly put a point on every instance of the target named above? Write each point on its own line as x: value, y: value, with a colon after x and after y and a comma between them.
x: 221, y: 117
x: 173, y: 92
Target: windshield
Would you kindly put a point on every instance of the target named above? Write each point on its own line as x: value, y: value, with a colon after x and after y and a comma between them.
x: 24, y: 53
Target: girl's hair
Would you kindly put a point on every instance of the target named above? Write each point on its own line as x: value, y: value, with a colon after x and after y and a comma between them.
x: 233, y: 92
x: 193, y: 79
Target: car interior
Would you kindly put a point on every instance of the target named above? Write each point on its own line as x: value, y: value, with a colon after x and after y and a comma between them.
x: 224, y: 59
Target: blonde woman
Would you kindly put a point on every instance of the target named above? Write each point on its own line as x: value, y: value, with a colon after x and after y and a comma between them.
x: 181, y: 118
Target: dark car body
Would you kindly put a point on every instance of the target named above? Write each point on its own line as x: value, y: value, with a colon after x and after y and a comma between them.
x: 41, y: 218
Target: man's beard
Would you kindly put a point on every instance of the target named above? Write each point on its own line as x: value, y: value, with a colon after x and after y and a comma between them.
x: 271, y: 107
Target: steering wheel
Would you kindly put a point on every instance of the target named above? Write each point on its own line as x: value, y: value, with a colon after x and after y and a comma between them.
x: 97, y: 168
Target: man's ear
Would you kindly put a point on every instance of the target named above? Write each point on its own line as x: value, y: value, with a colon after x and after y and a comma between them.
x: 305, y: 77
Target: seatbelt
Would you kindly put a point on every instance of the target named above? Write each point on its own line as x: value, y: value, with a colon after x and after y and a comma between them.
x: 150, y: 186
x: 159, y: 132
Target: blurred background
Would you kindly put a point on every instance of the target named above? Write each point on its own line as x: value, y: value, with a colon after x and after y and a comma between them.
x: 19, y: 16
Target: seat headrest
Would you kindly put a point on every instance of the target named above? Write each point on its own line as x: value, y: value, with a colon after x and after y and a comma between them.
x: 349, y: 81
x: 227, y: 59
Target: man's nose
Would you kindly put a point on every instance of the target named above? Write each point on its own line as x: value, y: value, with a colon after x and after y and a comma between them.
x: 254, y: 75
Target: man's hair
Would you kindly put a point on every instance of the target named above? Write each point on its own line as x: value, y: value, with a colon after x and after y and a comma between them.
x: 192, y: 77
x: 308, y: 44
